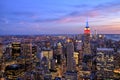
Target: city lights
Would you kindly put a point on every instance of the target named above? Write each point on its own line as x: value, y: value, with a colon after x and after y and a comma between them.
x: 53, y: 40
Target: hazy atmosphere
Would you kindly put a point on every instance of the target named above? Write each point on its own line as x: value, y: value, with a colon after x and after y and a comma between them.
x: 58, y: 16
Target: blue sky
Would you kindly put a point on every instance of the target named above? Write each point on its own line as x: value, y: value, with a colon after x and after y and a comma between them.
x: 58, y: 16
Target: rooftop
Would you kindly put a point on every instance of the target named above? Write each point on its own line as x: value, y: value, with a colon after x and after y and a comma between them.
x: 105, y: 49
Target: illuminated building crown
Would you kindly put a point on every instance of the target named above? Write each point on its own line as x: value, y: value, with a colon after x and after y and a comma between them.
x: 87, y: 29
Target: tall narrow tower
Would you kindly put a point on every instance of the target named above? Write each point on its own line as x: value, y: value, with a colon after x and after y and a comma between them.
x: 87, y: 49
x: 86, y: 46
x: 70, y: 50
x: 71, y: 73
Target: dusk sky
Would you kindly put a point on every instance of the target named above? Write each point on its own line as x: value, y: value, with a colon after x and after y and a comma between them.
x: 58, y: 16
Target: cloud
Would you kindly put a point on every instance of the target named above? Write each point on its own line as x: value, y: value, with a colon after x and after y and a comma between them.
x: 110, y: 5
x: 4, y: 20
x: 21, y: 14
x: 76, y: 15
x: 100, y: 10
x: 46, y: 20
x: 64, y: 19
x: 22, y: 22
x: 80, y: 16
x: 81, y: 6
x: 27, y: 15
x: 107, y: 28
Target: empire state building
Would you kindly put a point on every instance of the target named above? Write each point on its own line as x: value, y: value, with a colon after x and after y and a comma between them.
x: 86, y: 46
x: 86, y: 49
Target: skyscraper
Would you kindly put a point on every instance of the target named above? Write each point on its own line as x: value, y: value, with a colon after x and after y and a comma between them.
x: 27, y: 49
x: 1, y: 50
x: 87, y: 49
x: 105, y: 63
x: 71, y: 73
x: 16, y: 49
x: 86, y: 44
x: 70, y: 50
x: 59, y: 53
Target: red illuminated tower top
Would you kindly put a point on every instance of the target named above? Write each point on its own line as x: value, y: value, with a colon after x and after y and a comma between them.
x: 87, y: 29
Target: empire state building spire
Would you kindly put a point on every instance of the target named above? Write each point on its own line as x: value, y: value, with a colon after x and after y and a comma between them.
x: 87, y: 29
x: 87, y: 25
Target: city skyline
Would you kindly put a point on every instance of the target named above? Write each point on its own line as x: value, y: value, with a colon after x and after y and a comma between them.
x: 58, y: 17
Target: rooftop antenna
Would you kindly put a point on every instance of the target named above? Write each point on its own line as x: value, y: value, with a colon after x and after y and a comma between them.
x: 87, y: 25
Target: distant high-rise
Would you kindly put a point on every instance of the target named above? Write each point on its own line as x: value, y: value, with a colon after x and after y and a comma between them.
x: 1, y: 50
x: 16, y: 49
x: 27, y: 49
x: 45, y: 64
x: 59, y: 47
x: 34, y: 49
x: 53, y: 64
x: 71, y: 73
x: 86, y: 48
x: 95, y: 34
x: 86, y: 44
x: 105, y: 63
x: 59, y: 53
x: 70, y: 57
